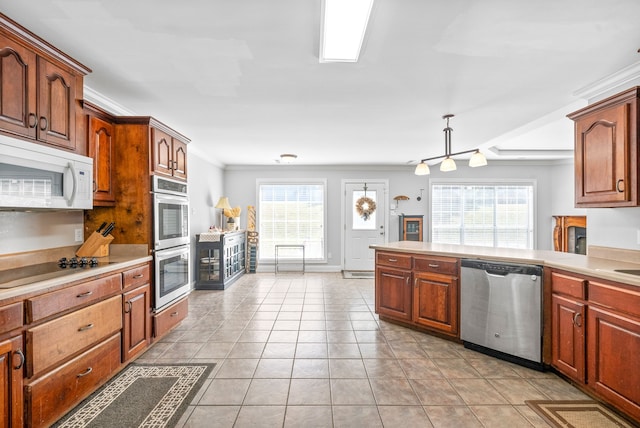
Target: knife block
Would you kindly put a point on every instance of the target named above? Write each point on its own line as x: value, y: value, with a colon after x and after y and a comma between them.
x: 96, y: 245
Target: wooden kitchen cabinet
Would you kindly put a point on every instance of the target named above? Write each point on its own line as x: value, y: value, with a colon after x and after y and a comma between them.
x: 169, y: 155
x: 435, y: 293
x: 393, y: 286
x: 168, y: 318
x: 606, y: 152
x: 40, y: 88
x: 101, y: 148
x: 12, y: 361
x: 411, y: 227
x: 136, y: 311
x: 596, y: 337
x: 136, y: 330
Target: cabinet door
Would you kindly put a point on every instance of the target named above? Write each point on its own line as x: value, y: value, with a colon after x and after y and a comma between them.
x: 612, y: 353
x: 56, y: 105
x: 162, y: 152
x: 435, y: 301
x: 11, y: 377
x: 17, y: 88
x: 568, y: 337
x: 602, y: 157
x: 137, y: 322
x: 179, y: 159
x: 393, y: 293
x: 101, y: 149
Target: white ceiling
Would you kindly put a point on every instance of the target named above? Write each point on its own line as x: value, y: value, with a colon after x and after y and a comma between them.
x: 241, y: 78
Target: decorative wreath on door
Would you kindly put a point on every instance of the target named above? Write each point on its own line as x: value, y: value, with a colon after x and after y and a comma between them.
x: 365, y: 207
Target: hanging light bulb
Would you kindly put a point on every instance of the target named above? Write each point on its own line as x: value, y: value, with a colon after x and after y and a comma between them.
x: 422, y: 169
x: 477, y: 159
x: 448, y: 165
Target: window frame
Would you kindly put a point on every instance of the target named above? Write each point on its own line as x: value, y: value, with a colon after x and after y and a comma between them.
x: 489, y: 182
x: 294, y: 181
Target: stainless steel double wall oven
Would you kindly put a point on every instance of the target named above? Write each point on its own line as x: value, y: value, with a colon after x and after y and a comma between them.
x: 171, y: 240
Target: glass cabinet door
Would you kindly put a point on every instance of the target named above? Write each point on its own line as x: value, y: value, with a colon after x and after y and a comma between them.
x: 208, y: 263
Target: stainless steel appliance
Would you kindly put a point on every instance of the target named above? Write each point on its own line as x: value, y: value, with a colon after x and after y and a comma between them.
x: 171, y: 240
x: 172, y: 275
x: 41, y: 177
x: 501, y: 310
x: 170, y: 212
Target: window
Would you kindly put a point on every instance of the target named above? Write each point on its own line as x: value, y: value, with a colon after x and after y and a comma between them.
x: 483, y: 214
x: 292, y: 213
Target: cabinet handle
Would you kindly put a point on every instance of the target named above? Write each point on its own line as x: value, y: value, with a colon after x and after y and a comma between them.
x: 84, y: 373
x: 434, y: 266
x: 46, y: 123
x: 86, y: 327
x: 138, y: 276
x: 174, y: 314
x: 175, y: 165
x: 392, y: 260
x: 95, y: 186
x: 618, y: 183
x: 575, y: 319
x: 33, y: 120
x: 129, y: 307
x: 22, y: 359
x: 85, y: 294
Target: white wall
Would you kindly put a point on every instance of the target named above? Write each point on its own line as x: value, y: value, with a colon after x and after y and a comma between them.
x: 205, y: 187
x: 41, y: 230
x: 240, y: 187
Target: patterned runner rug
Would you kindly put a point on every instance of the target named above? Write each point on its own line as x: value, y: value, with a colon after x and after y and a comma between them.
x: 142, y: 395
x: 577, y: 414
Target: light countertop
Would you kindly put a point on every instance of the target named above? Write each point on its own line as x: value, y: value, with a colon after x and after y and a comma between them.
x: 601, y: 265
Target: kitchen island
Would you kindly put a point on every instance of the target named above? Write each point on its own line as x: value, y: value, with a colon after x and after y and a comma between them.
x: 590, y: 306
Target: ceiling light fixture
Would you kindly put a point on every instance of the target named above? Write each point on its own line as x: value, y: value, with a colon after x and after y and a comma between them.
x: 287, y: 158
x: 448, y: 164
x: 344, y: 24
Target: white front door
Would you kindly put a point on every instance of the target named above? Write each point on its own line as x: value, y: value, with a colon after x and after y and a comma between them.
x: 365, y: 222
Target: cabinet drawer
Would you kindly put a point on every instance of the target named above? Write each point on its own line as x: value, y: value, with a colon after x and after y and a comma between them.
x: 614, y: 297
x: 396, y: 260
x: 52, y: 342
x: 41, y: 307
x: 52, y: 395
x: 170, y: 317
x: 435, y: 264
x: 136, y: 277
x: 232, y: 240
x: 10, y: 317
x: 568, y: 285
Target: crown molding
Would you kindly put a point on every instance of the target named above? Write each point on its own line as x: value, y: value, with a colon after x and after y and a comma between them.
x: 105, y: 103
x: 620, y: 78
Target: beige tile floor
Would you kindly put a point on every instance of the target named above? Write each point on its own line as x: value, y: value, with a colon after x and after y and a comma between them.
x: 307, y: 350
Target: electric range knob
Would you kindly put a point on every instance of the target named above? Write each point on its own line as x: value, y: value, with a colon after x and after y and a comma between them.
x: 93, y: 262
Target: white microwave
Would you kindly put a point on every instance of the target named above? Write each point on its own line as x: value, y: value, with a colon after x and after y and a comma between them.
x: 34, y: 176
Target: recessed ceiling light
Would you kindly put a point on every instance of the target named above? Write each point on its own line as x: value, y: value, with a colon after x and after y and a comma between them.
x: 344, y: 23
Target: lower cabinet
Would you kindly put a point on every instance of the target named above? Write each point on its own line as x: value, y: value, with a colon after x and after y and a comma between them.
x: 418, y: 290
x: 435, y: 301
x: 12, y: 361
x: 605, y: 359
x: 50, y: 396
x: 170, y: 317
x: 393, y: 293
x: 136, y: 322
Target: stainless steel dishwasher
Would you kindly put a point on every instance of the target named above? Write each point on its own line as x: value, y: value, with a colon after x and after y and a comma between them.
x: 501, y: 310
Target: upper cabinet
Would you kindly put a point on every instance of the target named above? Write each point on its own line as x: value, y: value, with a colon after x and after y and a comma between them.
x: 101, y: 147
x: 169, y: 154
x: 40, y: 89
x: 606, y: 151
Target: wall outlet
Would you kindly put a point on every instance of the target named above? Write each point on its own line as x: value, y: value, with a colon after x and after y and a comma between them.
x: 79, y: 235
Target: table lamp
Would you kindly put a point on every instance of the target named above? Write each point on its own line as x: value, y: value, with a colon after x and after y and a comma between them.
x: 223, y: 203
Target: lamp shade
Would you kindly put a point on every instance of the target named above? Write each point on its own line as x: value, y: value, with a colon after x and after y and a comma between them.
x: 422, y: 169
x: 223, y: 203
x: 448, y: 165
x: 477, y: 159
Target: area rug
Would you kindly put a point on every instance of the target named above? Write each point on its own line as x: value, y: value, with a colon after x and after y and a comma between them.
x: 142, y: 395
x: 577, y: 414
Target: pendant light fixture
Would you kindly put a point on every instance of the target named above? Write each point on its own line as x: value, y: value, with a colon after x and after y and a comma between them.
x: 448, y: 164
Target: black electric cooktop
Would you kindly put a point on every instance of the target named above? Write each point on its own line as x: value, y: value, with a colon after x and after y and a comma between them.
x: 39, y: 272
